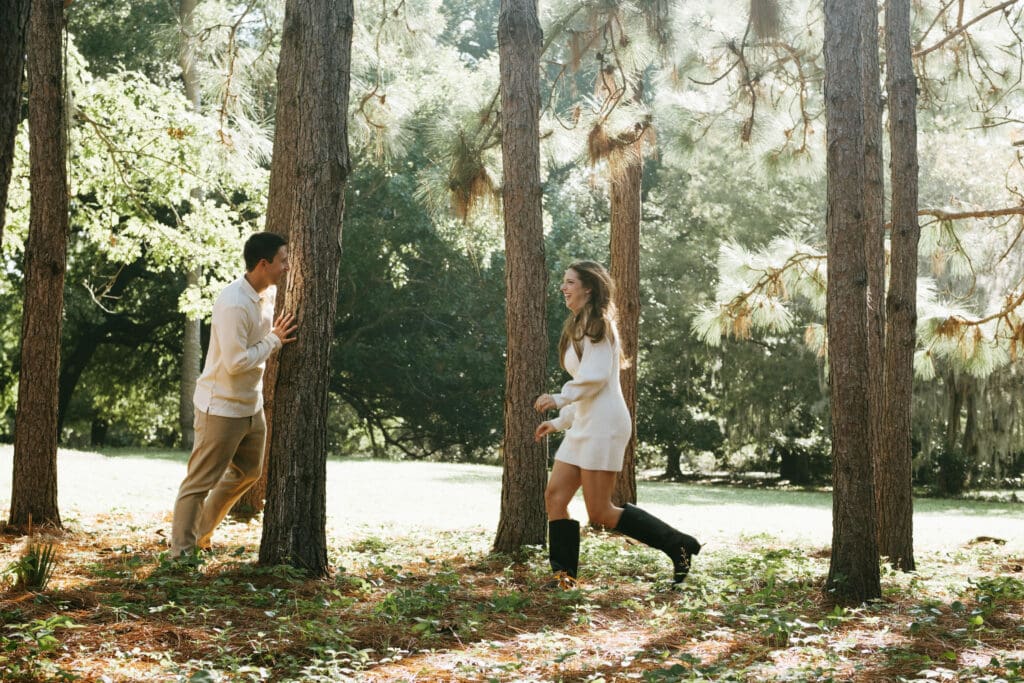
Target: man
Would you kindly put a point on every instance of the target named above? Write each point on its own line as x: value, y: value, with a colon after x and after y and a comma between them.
x: 230, y: 429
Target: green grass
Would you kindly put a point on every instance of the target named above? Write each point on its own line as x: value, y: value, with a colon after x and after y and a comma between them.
x: 419, y: 495
x: 417, y: 596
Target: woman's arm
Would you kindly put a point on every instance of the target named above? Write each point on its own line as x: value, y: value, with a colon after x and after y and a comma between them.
x: 596, y: 367
x: 565, y: 417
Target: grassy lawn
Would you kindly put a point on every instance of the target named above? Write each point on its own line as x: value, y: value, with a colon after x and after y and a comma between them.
x: 417, y: 596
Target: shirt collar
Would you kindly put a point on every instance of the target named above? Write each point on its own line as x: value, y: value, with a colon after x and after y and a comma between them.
x: 248, y: 290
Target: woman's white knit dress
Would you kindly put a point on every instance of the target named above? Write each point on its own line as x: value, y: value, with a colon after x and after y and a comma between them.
x: 592, y: 409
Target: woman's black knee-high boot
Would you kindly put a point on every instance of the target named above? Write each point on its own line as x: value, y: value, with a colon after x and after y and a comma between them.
x: 646, y: 528
x: 564, y: 546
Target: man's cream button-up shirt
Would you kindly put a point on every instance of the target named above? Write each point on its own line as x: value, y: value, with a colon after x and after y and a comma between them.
x: 240, y: 343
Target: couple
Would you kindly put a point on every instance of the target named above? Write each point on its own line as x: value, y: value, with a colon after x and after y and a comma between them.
x: 230, y: 430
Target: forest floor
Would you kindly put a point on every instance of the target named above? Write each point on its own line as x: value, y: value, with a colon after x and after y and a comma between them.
x: 416, y: 595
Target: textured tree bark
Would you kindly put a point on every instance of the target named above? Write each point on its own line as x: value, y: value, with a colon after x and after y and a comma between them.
x: 192, y: 350
x: 13, y: 31
x: 853, y: 572
x: 896, y: 540
x: 626, y: 165
x: 308, y: 173
x: 522, y: 520
x: 874, y: 242
x: 34, y: 483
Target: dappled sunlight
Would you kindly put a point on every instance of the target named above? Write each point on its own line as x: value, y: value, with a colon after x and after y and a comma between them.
x: 383, y: 495
x: 415, y: 594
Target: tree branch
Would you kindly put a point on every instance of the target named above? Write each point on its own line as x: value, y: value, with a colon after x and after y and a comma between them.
x: 961, y: 27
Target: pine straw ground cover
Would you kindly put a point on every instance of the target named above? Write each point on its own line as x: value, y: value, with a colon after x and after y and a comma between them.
x: 435, y: 606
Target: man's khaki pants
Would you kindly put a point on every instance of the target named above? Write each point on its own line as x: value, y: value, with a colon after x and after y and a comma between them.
x: 226, y: 461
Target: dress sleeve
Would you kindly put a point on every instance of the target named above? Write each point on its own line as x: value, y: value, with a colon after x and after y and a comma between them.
x: 230, y: 325
x: 596, y: 367
x: 565, y: 417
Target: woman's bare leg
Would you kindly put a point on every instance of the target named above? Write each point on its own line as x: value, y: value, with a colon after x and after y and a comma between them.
x: 598, y: 486
x: 562, y: 486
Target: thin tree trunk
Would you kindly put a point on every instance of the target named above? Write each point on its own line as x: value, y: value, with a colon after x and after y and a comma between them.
x: 626, y: 165
x: 896, y: 540
x: 191, y: 357
x: 969, y: 449
x: 13, y: 31
x: 34, y: 482
x: 192, y: 350
x: 853, y: 572
x: 954, y: 407
x: 522, y: 520
x: 311, y: 162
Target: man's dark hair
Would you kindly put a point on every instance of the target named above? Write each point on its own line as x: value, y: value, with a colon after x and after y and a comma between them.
x: 261, y: 245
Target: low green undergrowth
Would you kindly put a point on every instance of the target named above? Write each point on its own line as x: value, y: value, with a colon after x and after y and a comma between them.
x: 438, y: 606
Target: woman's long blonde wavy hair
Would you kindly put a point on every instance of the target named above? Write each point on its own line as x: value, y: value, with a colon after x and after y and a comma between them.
x: 597, y: 318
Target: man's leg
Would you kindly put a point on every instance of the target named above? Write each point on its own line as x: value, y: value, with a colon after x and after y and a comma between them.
x: 217, y: 439
x: 243, y: 471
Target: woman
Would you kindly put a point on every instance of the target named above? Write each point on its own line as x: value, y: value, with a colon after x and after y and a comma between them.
x: 592, y: 409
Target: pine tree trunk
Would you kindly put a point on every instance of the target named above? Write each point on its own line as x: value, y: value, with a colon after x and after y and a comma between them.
x: 874, y: 244
x: 13, y: 32
x: 34, y: 483
x: 853, y: 573
x: 626, y: 165
x: 192, y: 350
x: 308, y: 173
x: 522, y: 520
x: 896, y: 540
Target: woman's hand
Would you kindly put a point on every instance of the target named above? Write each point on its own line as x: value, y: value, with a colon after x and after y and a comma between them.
x: 543, y: 429
x: 544, y: 403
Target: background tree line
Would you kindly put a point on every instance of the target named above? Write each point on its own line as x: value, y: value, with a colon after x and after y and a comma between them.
x: 732, y: 189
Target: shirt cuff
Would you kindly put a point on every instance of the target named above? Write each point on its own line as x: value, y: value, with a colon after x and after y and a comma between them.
x: 275, y: 341
x: 560, y: 401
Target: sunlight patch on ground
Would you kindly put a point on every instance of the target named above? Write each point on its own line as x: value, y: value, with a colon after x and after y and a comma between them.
x: 386, y: 497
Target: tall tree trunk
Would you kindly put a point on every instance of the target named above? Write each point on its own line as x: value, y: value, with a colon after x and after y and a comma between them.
x: 34, y: 483
x: 896, y: 537
x: 874, y: 242
x: 192, y: 350
x: 13, y: 30
x: 626, y: 166
x: 522, y: 520
x: 311, y: 162
x: 853, y: 572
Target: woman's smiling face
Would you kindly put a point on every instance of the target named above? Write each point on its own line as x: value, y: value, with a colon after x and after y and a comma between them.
x: 572, y: 289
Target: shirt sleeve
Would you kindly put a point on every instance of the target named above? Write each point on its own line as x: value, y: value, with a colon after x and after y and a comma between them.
x: 596, y: 368
x: 565, y: 418
x: 231, y: 325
